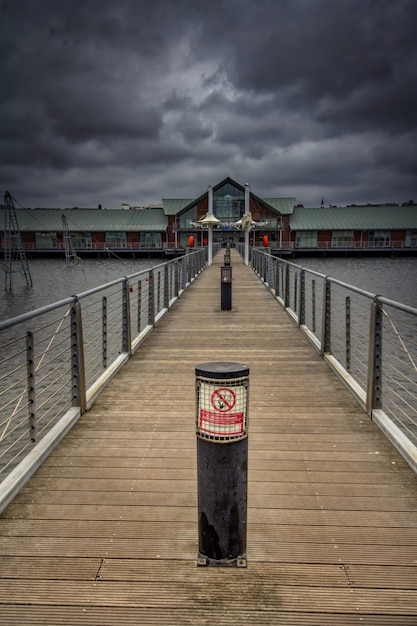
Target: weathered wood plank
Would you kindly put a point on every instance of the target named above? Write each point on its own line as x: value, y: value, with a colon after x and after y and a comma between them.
x: 107, y: 531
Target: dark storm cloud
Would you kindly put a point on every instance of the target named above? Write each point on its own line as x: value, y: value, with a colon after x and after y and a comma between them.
x: 103, y: 102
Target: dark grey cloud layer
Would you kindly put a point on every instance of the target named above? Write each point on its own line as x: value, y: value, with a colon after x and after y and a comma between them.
x: 104, y: 102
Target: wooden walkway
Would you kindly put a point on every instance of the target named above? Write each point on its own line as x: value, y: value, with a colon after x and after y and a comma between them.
x: 106, y: 531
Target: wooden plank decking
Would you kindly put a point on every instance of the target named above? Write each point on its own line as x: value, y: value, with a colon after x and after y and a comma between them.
x: 106, y: 531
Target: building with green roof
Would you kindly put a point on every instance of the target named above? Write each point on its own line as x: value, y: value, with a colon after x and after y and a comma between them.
x: 175, y: 224
x: 371, y: 228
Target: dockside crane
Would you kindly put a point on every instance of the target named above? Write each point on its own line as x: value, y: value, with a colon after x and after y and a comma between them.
x: 70, y: 253
x: 13, y: 246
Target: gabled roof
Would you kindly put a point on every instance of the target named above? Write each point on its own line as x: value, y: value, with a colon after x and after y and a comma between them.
x: 227, y: 180
x: 376, y: 217
x: 173, y: 206
x: 50, y: 220
x: 285, y: 206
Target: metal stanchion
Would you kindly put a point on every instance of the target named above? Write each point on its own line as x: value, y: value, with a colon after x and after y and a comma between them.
x: 222, y: 460
x: 225, y: 288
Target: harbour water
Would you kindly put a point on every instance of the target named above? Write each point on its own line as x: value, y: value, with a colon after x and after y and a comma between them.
x: 392, y: 277
x: 53, y: 280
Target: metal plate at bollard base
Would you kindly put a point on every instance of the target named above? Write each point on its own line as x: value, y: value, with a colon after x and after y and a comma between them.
x: 222, y: 463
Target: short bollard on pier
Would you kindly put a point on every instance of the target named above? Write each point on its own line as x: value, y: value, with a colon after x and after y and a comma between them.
x: 222, y: 462
x: 226, y: 288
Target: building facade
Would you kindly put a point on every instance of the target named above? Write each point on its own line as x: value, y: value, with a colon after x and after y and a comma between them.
x: 278, y: 223
x: 271, y: 216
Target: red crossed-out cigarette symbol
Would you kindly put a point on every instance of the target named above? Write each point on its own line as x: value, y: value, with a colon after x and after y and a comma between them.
x: 223, y: 399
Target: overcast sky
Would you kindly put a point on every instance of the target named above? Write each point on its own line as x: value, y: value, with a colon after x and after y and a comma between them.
x: 103, y: 102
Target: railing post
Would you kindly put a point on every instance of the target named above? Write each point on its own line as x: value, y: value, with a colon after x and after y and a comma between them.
x: 302, y: 299
x: 126, y: 330
x: 104, y: 328
x: 189, y: 268
x: 287, y: 287
x: 177, y: 279
x: 139, y: 305
x: 30, y: 363
x: 166, y: 285
x: 78, y: 383
x: 191, y: 272
x: 269, y: 261
x: 151, y: 293
x: 313, y: 305
x: 326, y: 328
x: 348, y: 333
x: 277, y: 281
x: 183, y: 272
x: 374, y: 386
x: 158, y: 293
x: 295, y: 292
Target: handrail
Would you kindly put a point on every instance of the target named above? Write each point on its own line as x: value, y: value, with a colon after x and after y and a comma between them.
x: 55, y: 360
x: 370, y: 341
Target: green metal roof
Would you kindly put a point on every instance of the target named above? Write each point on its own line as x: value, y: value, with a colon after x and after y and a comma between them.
x: 284, y: 205
x: 123, y: 220
x: 383, y: 217
x: 172, y: 206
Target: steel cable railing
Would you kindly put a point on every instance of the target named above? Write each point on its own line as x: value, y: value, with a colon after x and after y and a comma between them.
x: 369, y: 341
x: 55, y: 361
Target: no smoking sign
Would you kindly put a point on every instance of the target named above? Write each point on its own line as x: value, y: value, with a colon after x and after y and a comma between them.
x: 222, y: 411
x: 223, y: 399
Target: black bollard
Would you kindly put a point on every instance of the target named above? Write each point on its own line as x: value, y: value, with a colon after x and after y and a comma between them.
x: 222, y: 462
x: 225, y: 288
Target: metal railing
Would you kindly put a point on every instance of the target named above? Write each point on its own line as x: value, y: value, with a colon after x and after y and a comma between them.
x: 368, y: 340
x: 394, y: 244
x: 54, y: 361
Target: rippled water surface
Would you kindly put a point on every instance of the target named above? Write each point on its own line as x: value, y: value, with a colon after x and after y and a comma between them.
x: 53, y: 280
x: 395, y: 278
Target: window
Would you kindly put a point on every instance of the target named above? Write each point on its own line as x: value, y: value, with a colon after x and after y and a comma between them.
x: 379, y: 238
x: 306, y: 239
x: 342, y: 239
x: 150, y: 240
x: 46, y: 241
x: 115, y: 239
x: 228, y: 203
x: 189, y: 218
x: 81, y: 240
x: 411, y: 239
x: 271, y: 222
